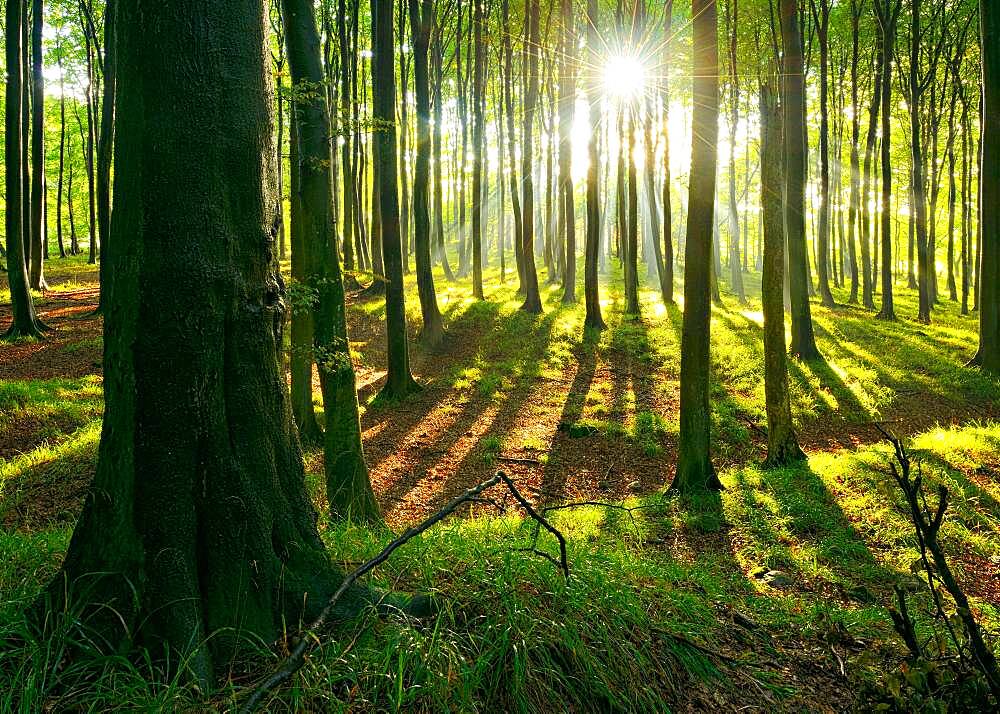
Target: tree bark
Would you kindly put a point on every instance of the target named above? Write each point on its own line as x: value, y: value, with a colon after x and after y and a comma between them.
x: 198, y: 535
x: 667, y: 279
x: 917, y: 181
x: 567, y: 107
x: 105, y: 147
x: 887, y: 12
x: 735, y: 263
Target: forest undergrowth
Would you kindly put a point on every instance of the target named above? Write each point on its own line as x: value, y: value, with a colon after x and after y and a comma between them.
x: 773, y: 594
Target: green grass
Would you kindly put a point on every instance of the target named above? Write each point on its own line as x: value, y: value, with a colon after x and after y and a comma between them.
x: 514, y: 635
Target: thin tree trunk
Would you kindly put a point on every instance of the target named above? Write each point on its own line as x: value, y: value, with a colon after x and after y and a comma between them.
x: 532, y: 298
x: 694, y: 463
x: 478, y: 146
x: 782, y: 444
x: 399, y: 381
x: 421, y: 25
x: 793, y: 105
x: 591, y: 286
x: 25, y: 323
x: 39, y: 237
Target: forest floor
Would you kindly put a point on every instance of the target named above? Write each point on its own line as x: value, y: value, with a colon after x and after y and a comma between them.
x: 669, y: 605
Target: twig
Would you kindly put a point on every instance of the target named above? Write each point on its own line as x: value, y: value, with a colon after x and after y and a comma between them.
x: 928, y: 525
x: 518, y: 460
x: 297, y: 656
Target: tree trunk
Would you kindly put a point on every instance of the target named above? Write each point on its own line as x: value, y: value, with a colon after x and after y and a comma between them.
x: 567, y: 107
x: 532, y: 298
x: 667, y: 279
x: 735, y: 263
x: 301, y: 357
x: 591, y: 286
x: 478, y: 147
x: 793, y: 106
x: 90, y: 159
x: 399, y: 381
x: 198, y: 523
x: 918, y: 182
x: 421, y: 24
x: 631, y: 242
x: 822, y: 18
x: 105, y: 147
x: 854, y: 199
x: 888, y: 12
x: 867, y: 242
x: 694, y: 462
x: 349, y: 491
x: 62, y: 155
x: 508, y: 109
x: 989, y: 187
x: 39, y: 237
x: 25, y: 323
x: 782, y: 444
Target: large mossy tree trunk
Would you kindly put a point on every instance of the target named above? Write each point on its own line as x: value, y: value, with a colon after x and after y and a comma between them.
x: 25, y: 323
x: 793, y: 111
x: 694, y: 461
x: 782, y: 444
x: 198, y: 535
x: 989, y: 186
x: 349, y: 490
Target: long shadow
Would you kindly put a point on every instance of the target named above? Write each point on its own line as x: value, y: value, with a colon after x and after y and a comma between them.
x: 553, y: 476
x: 811, y: 518
x: 475, y: 330
x: 473, y: 465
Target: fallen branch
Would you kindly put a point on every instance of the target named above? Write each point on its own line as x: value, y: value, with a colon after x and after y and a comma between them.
x: 927, y: 522
x: 519, y: 460
x: 306, y: 642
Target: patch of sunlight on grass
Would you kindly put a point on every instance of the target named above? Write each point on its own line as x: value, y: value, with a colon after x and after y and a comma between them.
x: 840, y: 518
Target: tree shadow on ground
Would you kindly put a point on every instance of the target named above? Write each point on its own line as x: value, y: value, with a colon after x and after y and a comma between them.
x: 553, y: 475
x: 433, y: 471
x: 796, y: 525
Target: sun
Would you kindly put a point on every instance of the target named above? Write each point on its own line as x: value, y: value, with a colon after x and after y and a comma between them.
x: 624, y: 77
